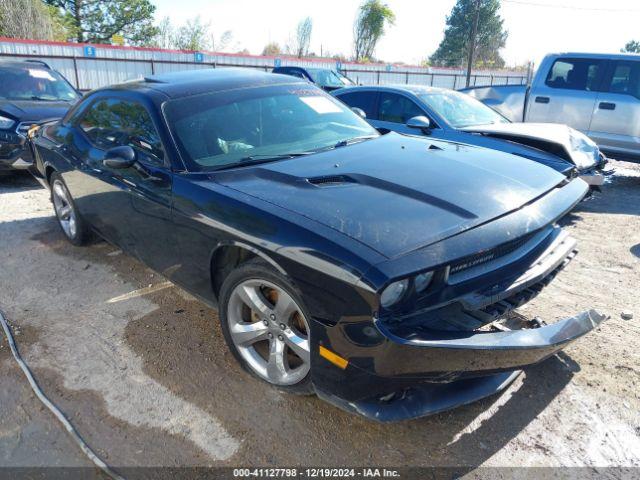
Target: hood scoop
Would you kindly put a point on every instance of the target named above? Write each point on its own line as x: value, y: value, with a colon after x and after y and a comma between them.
x: 331, y: 180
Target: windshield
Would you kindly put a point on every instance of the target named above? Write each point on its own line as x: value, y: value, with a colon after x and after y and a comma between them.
x: 35, y: 84
x: 460, y: 110
x: 328, y: 78
x: 220, y: 130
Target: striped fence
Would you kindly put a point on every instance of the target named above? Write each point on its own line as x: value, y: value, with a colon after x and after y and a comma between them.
x: 94, y: 66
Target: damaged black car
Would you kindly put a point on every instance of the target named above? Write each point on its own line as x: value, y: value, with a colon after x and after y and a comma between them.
x: 374, y: 271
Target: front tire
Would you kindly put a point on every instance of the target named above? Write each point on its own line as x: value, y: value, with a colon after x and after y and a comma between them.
x: 71, y: 223
x: 266, y: 327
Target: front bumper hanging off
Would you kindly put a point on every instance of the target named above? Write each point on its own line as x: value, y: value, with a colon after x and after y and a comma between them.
x: 419, y: 366
x: 597, y: 175
x: 504, y: 352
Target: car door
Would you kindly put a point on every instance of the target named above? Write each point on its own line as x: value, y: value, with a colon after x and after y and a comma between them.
x: 568, y: 93
x: 394, y: 110
x: 616, y: 114
x: 129, y: 206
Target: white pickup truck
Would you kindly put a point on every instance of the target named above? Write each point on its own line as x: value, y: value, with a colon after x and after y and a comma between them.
x: 598, y: 94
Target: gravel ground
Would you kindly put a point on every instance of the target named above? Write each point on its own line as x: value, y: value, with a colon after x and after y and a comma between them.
x: 148, y: 381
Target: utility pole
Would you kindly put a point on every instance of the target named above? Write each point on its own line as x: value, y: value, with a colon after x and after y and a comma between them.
x: 472, y: 39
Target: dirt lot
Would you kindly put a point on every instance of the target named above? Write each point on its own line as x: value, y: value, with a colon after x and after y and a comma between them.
x: 146, y: 378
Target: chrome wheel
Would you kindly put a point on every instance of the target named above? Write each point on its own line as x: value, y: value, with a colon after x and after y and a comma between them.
x: 270, y: 332
x: 64, y: 209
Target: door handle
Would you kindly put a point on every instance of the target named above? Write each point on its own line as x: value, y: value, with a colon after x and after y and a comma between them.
x: 543, y: 99
x: 607, y: 106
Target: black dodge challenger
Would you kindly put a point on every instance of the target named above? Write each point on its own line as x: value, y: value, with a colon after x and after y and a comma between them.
x: 377, y: 271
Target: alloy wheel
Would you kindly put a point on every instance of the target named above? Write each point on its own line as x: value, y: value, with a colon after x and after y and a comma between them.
x: 64, y: 209
x: 269, y: 331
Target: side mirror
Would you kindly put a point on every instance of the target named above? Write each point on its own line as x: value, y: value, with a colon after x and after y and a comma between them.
x: 420, y: 122
x: 120, y: 157
x: 359, y: 112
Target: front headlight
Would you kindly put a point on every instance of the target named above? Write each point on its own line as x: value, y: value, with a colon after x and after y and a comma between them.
x: 579, y: 141
x: 393, y: 293
x: 584, y: 151
x: 6, y: 123
x: 422, y: 281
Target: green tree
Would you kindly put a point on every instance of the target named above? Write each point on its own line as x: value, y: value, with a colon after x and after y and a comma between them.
x: 373, y: 17
x: 29, y: 19
x: 632, y: 46
x: 453, y: 50
x: 194, y: 35
x: 165, y: 35
x: 96, y: 21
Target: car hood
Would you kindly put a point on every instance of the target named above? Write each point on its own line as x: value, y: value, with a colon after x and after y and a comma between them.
x: 34, y: 111
x: 576, y: 146
x: 397, y: 193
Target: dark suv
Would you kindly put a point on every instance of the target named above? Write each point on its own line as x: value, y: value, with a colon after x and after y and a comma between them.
x: 325, y: 78
x: 30, y: 93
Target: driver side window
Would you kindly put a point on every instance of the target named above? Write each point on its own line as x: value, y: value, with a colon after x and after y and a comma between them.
x: 397, y: 108
x: 113, y: 122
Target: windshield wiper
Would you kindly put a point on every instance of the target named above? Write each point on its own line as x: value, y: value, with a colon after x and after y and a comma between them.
x: 351, y: 141
x: 346, y: 142
x: 268, y: 157
x: 262, y: 158
x: 42, y: 99
x: 265, y: 157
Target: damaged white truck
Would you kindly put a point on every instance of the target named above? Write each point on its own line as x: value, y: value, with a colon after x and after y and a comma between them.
x: 598, y: 94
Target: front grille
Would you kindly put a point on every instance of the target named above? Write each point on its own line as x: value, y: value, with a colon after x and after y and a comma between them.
x: 455, y: 317
x: 493, y: 254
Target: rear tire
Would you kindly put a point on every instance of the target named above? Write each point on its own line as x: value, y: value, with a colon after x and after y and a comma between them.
x: 71, y: 223
x: 266, y: 326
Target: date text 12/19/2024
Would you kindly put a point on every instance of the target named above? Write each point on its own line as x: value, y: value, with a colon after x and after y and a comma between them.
x: 367, y: 472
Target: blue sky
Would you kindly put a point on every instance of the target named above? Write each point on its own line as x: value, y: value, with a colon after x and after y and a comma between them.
x: 535, y: 26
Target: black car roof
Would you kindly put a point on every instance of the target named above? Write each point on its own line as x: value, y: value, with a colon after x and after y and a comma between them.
x: 24, y: 64
x: 288, y: 67
x: 194, y: 82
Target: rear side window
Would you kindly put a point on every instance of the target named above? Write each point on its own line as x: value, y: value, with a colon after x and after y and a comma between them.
x: 290, y: 71
x: 111, y: 123
x: 363, y: 100
x: 625, y: 78
x: 575, y: 74
x: 296, y: 73
x: 397, y: 108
